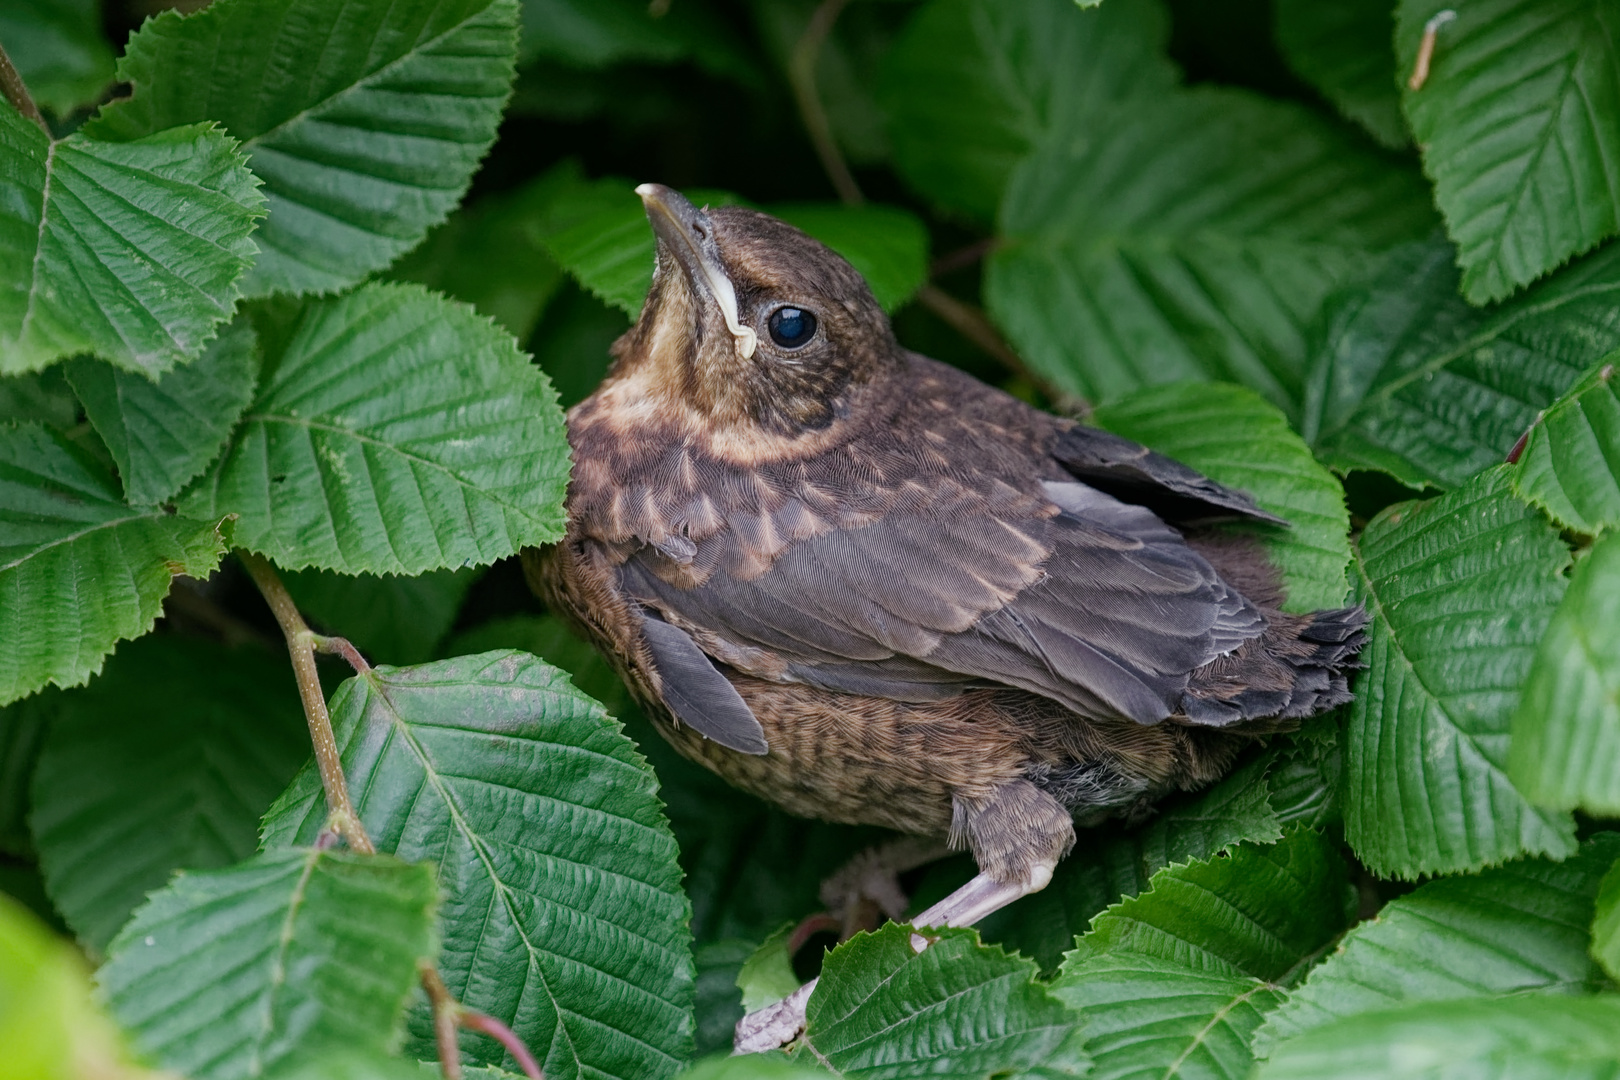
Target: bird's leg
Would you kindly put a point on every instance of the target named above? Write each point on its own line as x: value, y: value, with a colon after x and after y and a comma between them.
x: 1017, y: 834
x: 869, y: 884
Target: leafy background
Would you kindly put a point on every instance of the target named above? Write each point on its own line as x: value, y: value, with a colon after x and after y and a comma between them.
x: 315, y: 279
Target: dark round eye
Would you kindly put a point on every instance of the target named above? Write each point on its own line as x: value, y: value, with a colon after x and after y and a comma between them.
x: 791, y: 327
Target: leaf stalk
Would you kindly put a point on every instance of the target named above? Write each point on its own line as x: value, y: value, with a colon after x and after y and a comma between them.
x: 301, y: 644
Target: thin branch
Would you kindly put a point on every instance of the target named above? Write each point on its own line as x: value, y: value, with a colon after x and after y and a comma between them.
x: 962, y: 257
x: 301, y: 648
x: 337, y: 646
x: 802, y: 78
x: 445, y: 1010
x: 12, y: 86
x: 473, y: 1020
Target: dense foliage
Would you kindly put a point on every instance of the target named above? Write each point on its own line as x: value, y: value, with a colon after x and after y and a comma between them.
x: 307, y: 284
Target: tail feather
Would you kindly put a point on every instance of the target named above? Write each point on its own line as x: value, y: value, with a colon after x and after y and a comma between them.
x: 1299, y: 667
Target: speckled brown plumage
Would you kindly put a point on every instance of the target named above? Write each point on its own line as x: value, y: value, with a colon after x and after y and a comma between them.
x: 948, y: 612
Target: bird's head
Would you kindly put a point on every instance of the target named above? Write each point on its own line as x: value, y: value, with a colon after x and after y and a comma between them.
x: 751, y: 322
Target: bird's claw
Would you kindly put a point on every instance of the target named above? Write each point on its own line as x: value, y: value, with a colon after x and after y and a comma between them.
x: 774, y: 1025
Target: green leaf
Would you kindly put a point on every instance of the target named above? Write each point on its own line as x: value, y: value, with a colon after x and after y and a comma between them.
x: 165, y: 761
x: 79, y: 568
x: 972, y: 86
x: 22, y: 731
x: 1565, y: 752
x: 1571, y: 463
x: 1345, y: 50
x: 1191, y: 235
x: 1304, y: 783
x: 957, y: 1009
x: 371, y: 143
x: 393, y: 620
x: 767, y: 975
x: 1470, y: 1039
x: 1460, y: 590
x: 1234, y: 436
x: 1512, y: 124
x: 489, y: 254
x: 1407, y: 378
x: 564, y: 915
x: 717, y: 1001
x: 572, y: 342
x: 599, y: 33
x: 1606, y: 923
x: 230, y: 973
x: 888, y: 246
x: 41, y: 396
x: 393, y: 432
x: 132, y: 251
x: 599, y: 233
x: 58, y: 49
x: 1149, y: 1017
x: 163, y: 433
x: 50, y: 1028
x: 1263, y: 910
x: 1516, y: 929
x: 751, y: 1067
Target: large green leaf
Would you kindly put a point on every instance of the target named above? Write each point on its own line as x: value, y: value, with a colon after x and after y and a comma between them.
x: 1264, y: 911
x: 58, y: 49
x: 22, y: 731
x: 1407, y: 378
x: 1571, y: 463
x: 393, y: 620
x: 958, y: 1009
x: 394, y: 432
x: 163, y: 433
x: 1519, y: 928
x: 1191, y: 235
x: 564, y: 915
x: 1150, y: 1017
x: 79, y: 568
x: 599, y: 33
x: 39, y: 396
x: 1234, y: 436
x: 165, y: 761
x: 1469, y: 1039
x: 1460, y: 589
x: 972, y: 86
x: 1566, y: 731
x: 1513, y: 124
x: 599, y: 233
x: 1345, y: 50
x: 131, y: 251
x: 365, y: 121
x: 751, y: 1067
x: 1606, y: 923
x: 232, y: 973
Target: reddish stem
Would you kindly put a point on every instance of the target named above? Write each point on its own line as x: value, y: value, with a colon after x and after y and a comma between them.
x: 473, y: 1020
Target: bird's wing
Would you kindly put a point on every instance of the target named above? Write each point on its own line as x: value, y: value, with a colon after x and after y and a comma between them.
x: 1090, y: 601
x: 1136, y: 474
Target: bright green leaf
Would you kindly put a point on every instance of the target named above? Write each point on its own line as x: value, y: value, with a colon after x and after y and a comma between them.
x: 1192, y: 235
x: 972, y: 86
x: 1234, y: 436
x: 564, y: 915
x: 767, y: 975
x: 365, y: 121
x: 1515, y: 929
x: 166, y: 761
x: 1566, y: 731
x: 1513, y: 124
x: 1571, y: 463
x: 1304, y: 783
x: 393, y: 620
x: 1407, y: 378
x: 48, y: 1025
x: 79, y: 569
x: 1346, y: 51
x: 1470, y: 1039
x: 58, y: 49
x: 131, y: 251
x: 1262, y: 911
x: 888, y: 246
x: 1460, y: 589
x: 958, y: 1009
x: 394, y: 432
x: 231, y: 973
x: 1150, y: 1017
x: 1606, y: 923
x: 163, y: 433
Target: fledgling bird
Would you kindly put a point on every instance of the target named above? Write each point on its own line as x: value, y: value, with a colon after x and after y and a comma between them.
x: 871, y: 589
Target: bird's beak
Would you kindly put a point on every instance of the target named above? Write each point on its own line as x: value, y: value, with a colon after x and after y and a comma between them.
x: 688, y: 234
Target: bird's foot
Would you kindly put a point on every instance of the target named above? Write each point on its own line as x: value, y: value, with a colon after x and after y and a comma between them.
x: 867, y: 888
x: 774, y: 1025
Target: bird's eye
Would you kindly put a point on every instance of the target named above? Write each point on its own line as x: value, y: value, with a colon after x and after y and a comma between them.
x: 791, y: 327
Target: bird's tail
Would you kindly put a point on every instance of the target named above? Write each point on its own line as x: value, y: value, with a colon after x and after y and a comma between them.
x: 1299, y: 667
